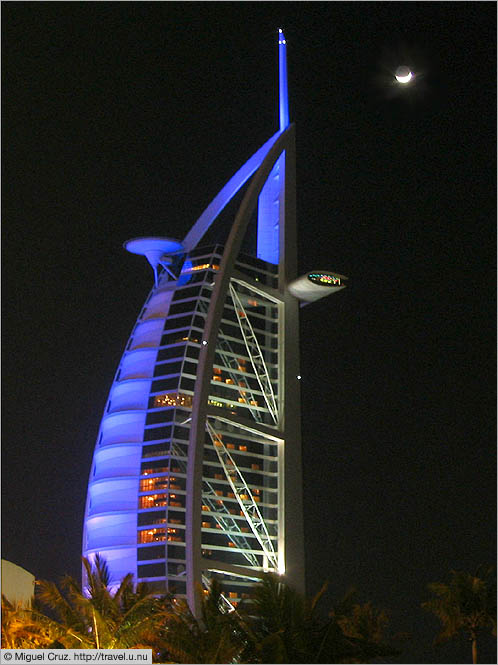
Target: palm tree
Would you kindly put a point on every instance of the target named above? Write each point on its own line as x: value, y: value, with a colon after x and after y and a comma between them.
x: 467, y: 604
x: 213, y: 638
x: 283, y: 626
x: 99, y: 619
x: 276, y: 625
x: 21, y: 629
x: 366, y: 626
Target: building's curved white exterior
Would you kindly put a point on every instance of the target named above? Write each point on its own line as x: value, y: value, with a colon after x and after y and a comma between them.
x: 197, y: 467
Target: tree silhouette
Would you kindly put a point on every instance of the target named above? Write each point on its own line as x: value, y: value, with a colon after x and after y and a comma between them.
x: 466, y: 605
x: 99, y: 618
x: 213, y: 638
x: 275, y: 624
x: 283, y: 626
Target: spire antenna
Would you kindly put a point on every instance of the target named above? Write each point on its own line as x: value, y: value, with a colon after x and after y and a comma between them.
x: 283, y: 99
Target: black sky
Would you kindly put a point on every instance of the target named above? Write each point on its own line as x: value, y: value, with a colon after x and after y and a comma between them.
x: 123, y: 119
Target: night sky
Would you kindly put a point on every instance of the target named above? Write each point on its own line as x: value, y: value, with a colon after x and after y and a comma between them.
x: 124, y: 119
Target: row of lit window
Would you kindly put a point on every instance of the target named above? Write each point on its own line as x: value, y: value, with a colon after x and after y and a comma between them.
x: 229, y: 381
x: 231, y: 446
x: 243, y: 497
x: 209, y: 525
x: 153, y: 501
x: 202, y: 266
x: 232, y: 511
x: 241, y: 362
x: 223, y: 405
x: 221, y: 476
x: 161, y: 482
x: 173, y: 399
x: 158, y: 500
x: 158, y: 535
x: 161, y: 469
x: 166, y: 534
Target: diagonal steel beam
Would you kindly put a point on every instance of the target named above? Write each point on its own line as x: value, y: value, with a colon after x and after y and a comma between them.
x: 244, y: 497
x: 255, y: 354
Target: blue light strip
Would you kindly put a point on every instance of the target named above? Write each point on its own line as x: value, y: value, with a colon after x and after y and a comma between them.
x: 270, y: 199
x: 269, y: 204
x: 283, y: 104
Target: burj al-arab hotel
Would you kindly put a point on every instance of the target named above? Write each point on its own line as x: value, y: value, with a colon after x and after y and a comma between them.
x: 197, y: 467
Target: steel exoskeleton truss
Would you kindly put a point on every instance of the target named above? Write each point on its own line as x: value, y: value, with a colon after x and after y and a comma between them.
x: 244, y: 497
x: 283, y: 146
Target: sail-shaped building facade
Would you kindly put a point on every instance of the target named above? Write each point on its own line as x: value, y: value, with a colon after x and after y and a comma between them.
x: 197, y: 467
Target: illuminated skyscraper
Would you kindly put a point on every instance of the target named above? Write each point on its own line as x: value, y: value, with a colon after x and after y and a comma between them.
x: 197, y: 467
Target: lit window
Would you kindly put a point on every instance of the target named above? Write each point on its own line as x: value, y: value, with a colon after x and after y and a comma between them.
x: 151, y: 535
x: 152, y: 501
x: 202, y: 266
x: 243, y: 448
x: 173, y: 399
x: 214, y: 402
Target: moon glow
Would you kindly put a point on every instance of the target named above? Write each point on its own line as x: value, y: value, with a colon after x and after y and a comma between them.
x: 403, y: 74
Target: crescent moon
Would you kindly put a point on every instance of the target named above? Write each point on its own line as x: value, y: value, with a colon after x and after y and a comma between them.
x: 404, y: 79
